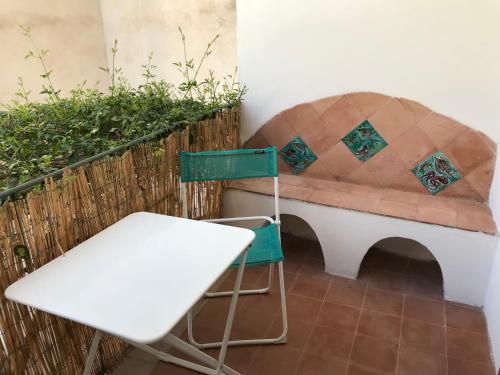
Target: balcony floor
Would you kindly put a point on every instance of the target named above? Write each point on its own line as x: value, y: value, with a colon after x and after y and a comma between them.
x: 393, y: 320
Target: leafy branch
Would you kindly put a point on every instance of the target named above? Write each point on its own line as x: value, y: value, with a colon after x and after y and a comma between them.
x: 39, y: 137
x: 41, y: 55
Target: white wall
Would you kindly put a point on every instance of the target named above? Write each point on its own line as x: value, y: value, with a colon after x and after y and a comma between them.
x: 492, y: 309
x: 80, y: 34
x: 441, y: 53
x: 142, y: 26
x: 70, y: 29
x: 492, y: 304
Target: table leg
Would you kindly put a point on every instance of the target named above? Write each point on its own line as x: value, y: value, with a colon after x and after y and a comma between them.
x: 220, y: 368
x: 92, y: 352
x: 195, y: 353
x: 232, y: 309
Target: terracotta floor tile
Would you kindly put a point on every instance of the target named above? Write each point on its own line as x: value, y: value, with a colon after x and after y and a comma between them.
x: 380, y: 326
x: 237, y: 357
x: 254, y: 318
x: 310, y: 287
x: 213, y: 313
x: 275, y: 359
x: 312, y: 364
x: 163, y: 368
x: 465, y: 317
x: 430, y: 311
x: 207, y: 333
x: 412, y: 361
x: 424, y: 336
x: 325, y: 348
x: 346, y: 292
x: 377, y: 260
x: 292, y: 265
x: 315, y: 268
x: 289, y: 279
x: 458, y: 366
x: 302, y: 308
x: 425, y: 269
x: 423, y: 287
x: 292, y: 254
x: 328, y: 342
x: 358, y: 370
x: 251, y: 277
x: 375, y: 354
x: 388, y: 281
x: 384, y: 302
x: 298, y: 335
x: 268, y: 303
x: 468, y: 345
x: 338, y: 316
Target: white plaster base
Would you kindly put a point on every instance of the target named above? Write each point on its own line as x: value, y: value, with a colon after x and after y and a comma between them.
x: 345, y: 236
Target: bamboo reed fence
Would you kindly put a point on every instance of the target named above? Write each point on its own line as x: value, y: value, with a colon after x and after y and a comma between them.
x: 83, y: 202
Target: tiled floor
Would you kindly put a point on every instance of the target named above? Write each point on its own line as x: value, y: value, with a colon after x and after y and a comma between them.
x: 392, y: 320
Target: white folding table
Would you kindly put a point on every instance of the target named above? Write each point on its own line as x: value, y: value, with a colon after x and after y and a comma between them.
x: 136, y: 279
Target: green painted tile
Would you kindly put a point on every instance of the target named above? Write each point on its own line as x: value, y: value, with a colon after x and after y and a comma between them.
x: 364, y: 141
x: 297, y: 155
x: 436, y: 173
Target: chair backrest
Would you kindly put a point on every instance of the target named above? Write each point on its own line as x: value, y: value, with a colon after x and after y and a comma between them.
x: 229, y: 165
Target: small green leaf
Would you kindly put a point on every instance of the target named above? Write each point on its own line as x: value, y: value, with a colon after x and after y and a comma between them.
x: 22, y: 252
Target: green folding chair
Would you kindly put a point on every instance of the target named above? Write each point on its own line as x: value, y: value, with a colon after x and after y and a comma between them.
x: 266, y: 248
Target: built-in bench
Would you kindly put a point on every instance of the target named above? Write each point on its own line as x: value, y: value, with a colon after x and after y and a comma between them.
x: 449, y: 212
x: 369, y: 167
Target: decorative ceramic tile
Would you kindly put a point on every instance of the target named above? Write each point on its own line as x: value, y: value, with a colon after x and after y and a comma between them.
x: 436, y: 173
x: 364, y: 141
x: 297, y: 155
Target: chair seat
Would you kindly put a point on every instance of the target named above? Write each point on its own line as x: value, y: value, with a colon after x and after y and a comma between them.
x: 265, y: 248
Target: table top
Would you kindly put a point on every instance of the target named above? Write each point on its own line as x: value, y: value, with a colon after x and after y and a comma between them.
x: 137, y: 278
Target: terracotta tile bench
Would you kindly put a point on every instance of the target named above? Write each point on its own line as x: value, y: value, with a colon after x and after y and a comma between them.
x: 449, y: 212
x: 362, y: 167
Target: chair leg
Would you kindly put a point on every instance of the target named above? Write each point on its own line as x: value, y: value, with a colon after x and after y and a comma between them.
x: 281, y: 339
x: 246, y: 292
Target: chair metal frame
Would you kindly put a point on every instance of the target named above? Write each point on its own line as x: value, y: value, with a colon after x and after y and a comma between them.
x: 281, y: 339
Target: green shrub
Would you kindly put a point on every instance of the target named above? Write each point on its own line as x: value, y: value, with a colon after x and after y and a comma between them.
x: 39, y: 137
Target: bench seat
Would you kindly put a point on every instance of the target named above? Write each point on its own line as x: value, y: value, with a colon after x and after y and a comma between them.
x: 450, y: 212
